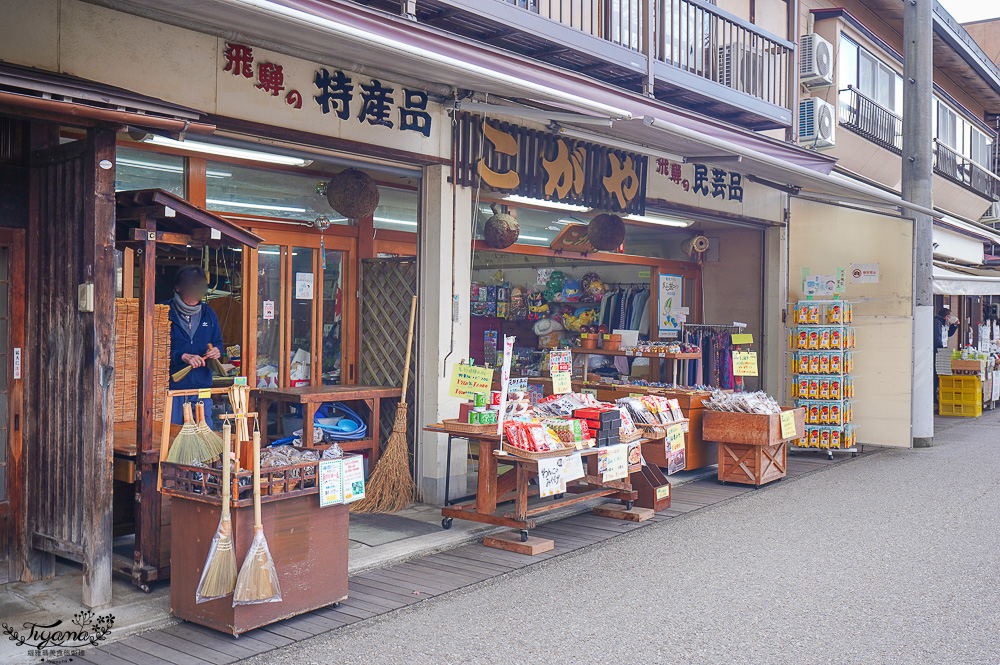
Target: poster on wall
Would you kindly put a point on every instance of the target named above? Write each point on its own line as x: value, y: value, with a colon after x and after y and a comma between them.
x: 671, y: 312
x: 864, y: 273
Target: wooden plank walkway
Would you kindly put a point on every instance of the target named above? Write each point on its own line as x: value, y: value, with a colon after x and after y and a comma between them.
x: 383, y: 590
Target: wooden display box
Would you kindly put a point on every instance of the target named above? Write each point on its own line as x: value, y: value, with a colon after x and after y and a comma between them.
x: 308, y: 543
x: 751, y: 448
x: 749, y: 428
x: 652, y: 486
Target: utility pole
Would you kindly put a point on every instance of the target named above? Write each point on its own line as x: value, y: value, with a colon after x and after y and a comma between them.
x: 918, y: 85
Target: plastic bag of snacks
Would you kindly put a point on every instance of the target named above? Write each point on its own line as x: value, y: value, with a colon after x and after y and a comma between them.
x: 758, y: 402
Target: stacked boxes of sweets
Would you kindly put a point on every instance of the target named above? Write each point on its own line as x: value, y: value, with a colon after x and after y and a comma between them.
x: 485, y: 408
x: 603, y: 421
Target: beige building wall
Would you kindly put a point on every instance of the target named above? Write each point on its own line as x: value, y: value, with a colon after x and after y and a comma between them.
x: 824, y: 238
x: 987, y: 35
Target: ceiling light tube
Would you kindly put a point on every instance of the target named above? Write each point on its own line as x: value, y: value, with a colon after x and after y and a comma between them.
x: 389, y: 220
x: 252, y: 206
x: 542, y: 203
x: 166, y: 168
x: 226, y: 151
x: 662, y: 221
x: 539, y: 238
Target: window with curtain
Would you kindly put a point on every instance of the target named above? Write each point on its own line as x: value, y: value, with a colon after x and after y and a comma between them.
x: 860, y: 69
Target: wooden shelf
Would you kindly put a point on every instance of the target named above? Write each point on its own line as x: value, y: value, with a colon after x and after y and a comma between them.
x: 638, y: 354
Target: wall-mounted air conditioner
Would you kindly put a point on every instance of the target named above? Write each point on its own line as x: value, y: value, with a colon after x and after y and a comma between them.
x: 815, y: 61
x: 741, y: 67
x: 817, y: 122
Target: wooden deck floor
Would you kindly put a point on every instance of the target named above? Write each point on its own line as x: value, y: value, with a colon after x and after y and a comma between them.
x: 384, y: 590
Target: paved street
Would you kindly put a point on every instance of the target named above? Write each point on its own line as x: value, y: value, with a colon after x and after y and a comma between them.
x: 890, y: 558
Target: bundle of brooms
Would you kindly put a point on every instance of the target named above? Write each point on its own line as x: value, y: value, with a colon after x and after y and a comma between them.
x: 391, y: 486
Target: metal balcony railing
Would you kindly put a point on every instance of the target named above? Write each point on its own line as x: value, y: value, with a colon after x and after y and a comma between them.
x: 863, y: 115
x: 964, y: 171
x: 693, y: 35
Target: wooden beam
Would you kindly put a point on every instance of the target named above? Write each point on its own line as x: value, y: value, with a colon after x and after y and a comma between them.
x: 165, y: 237
x: 99, y: 256
x: 147, y: 509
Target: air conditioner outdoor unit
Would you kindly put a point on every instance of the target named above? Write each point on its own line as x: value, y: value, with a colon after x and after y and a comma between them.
x: 815, y: 61
x: 817, y: 123
x: 741, y: 67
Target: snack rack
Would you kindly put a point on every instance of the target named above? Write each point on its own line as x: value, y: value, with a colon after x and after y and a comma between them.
x: 822, y: 343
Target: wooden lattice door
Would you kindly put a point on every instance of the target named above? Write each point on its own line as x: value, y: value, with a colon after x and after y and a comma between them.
x: 387, y: 289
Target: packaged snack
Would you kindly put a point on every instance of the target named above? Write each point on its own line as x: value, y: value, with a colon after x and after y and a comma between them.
x: 803, y: 339
x: 474, y: 418
x: 824, y: 439
x: 824, y: 364
x: 814, y: 364
x: 814, y: 389
x: 835, y: 314
x: 824, y: 414
x: 813, y: 340
x: 803, y: 388
x: 814, y: 437
x: 482, y: 399
x: 813, y: 315
x: 834, y: 388
x: 835, y: 414
x: 835, y: 341
x: 803, y: 364
x: 824, y: 339
x: 802, y: 315
x: 835, y: 363
x: 824, y: 389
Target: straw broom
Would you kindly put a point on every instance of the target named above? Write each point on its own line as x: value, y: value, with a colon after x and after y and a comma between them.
x: 258, y: 579
x: 219, y: 576
x: 188, y: 447
x: 391, y: 486
x: 212, y: 440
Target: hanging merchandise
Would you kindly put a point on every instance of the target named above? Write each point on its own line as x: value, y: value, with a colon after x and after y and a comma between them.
x: 219, y: 576
x: 537, y: 306
x: 822, y: 346
x: 518, y: 310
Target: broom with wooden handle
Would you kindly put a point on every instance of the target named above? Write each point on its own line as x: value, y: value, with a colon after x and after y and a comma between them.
x: 188, y: 447
x: 258, y: 578
x: 391, y: 486
x: 219, y: 576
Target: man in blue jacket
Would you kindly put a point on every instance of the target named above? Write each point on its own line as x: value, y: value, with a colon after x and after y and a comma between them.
x: 194, y: 327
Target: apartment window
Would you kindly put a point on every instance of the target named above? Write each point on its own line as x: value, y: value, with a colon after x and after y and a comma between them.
x: 860, y: 69
x: 958, y: 133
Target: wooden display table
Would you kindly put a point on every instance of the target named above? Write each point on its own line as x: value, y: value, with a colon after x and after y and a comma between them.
x: 312, y: 397
x: 751, y: 448
x: 513, y: 486
x: 674, y: 358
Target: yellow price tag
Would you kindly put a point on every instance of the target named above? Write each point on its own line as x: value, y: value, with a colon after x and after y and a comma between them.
x: 744, y: 338
x: 788, y: 429
x: 205, y: 394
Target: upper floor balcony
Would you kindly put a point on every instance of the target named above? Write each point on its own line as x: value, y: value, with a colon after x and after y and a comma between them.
x: 862, y: 115
x: 688, y: 53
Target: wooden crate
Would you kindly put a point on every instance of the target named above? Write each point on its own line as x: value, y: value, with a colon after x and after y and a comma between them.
x: 748, y: 464
x: 749, y: 428
x: 308, y: 543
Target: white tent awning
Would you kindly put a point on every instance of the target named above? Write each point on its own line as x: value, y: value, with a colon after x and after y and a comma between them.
x: 952, y: 283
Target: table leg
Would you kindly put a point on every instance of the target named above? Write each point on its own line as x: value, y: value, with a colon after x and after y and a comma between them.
x: 486, y: 495
x: 586, y: 364
x: 674, y: 363
x: 447, y: 473
x: 308, y: 417
x: 263, y: 404
x: 375, y: 431
x: 521, y: 503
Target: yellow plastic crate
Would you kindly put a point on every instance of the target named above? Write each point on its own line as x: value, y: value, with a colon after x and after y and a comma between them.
x: 968, y: 396
x: 960, y: 383
x: 966, y: 410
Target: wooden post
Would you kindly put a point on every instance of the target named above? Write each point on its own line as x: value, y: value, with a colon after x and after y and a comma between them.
x: 147, y: 509
x: 98, y: 370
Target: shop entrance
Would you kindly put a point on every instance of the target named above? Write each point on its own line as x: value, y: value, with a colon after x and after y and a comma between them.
x: 305, y: 321
x: 11, y: 348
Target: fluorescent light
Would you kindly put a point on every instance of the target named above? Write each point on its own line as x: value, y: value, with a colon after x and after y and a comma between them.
x: 539, y: 238
x: 255, y: 206
x: 389, y: 220
x: 269, y: 251
x: 226, y: 151
x: 167, y: 168
x: 662, y: 221
x: 542, y: 203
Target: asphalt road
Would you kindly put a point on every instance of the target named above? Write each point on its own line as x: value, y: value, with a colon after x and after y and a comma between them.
x: 890, y: 558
